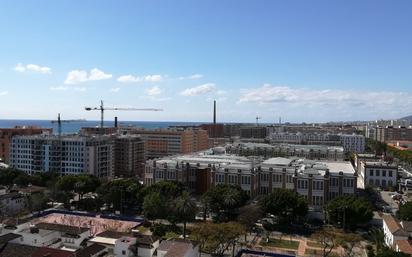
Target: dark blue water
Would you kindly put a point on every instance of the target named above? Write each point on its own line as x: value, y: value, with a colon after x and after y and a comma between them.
x: 75, y: 126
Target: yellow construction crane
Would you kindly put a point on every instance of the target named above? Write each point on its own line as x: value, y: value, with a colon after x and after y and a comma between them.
x: 101, y: 108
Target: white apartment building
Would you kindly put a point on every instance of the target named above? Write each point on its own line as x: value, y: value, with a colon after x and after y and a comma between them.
x: 353, y: 143
x: 67, y: 155
x: 311, y: 152
x: 378, y: 174
x: 350, y: 143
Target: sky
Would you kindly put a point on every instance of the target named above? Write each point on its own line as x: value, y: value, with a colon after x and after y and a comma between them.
x: 304, y: 61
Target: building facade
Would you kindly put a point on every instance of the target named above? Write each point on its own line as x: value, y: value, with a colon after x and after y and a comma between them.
x: 378, y: 174
x: 311, y: 152
x: 6, y: 135
x: 165, y: 142
x: 318, y: 182
x: 129, y: 156
x: 66, y: 155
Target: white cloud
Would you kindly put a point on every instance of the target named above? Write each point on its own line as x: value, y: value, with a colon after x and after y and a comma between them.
x: 193, y: 76
x: 153, y: 78
x: 59, y: 88
x: 154, y: 91
x: 199, y: 90
x: 78, y: 76
x: 96, y: 74
x: 148, y: 78
x: 114, y: 90
x: 330, y: 102
x: 32, y: 67
x: 80, y: 89
x: 3, y: 93
x: 128, y: 78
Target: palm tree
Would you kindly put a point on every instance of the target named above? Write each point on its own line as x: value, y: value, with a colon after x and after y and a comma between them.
x: 378, y: 237
x: 185, y: 209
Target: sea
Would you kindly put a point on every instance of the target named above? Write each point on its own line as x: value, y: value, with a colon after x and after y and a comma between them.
x: 74, y: 127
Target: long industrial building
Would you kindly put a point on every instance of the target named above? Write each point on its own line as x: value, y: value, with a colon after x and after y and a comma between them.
x: 317, y: 181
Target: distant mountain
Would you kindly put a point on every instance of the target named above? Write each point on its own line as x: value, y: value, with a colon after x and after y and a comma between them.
x: 408, y: 118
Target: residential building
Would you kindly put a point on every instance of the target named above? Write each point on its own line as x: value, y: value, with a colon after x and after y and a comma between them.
x: 312, y: 152
x: 349, y: 142
x: 12, y: 203
x: 178, y: 248
x: 394, y: 133
x: 378, y: 174
x: 353, y: 143
x: 129, y: 156
x: 164, y: 142
x: 6, y: 135
x: 68, y: 154
x: 253, y: 132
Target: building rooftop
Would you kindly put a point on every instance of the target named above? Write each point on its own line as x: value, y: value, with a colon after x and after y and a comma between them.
x: 17, y: 250
x: 62, y: 228
x: 51, y: 252
x: 90, y: 250
x: 103, y: 240
x: 404, y: 246
x: 393, y: 225
x: 175, y: 247
x: 8, y: 237
x: 278, y: 161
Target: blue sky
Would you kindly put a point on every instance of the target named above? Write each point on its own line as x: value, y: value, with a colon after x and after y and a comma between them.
x: 302, y: 60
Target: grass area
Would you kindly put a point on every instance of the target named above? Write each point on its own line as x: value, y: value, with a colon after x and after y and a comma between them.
x: 280, y: 243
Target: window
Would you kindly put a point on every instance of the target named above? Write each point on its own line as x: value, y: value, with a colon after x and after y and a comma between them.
x: 317, y: 185
x: 371, y: 173
x: 123, y: 252
x: 302, y: 184
x: 378, y: 173
x: 384, y: 173
x: 277, y: 178
x: 334, y: 182
x: 348, y: 182
x: 390, y: 173
x: 245, y: 180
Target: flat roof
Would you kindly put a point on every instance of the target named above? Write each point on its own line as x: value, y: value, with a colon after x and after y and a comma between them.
x: 345, y: 167
x: 103, y: 240
x: 279, y: 161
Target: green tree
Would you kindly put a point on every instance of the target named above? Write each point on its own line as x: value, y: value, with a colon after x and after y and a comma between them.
x: 285, y: 204
x: 248, y: 216
x: 349, y: 211
x: 154, y: 206
x: 185, y: 210
x: 405, y: 211
x: 170, y: 189
x: 85, y: 184
x: 215, y: 238
x: 224, y: 201
x: 121, y: 194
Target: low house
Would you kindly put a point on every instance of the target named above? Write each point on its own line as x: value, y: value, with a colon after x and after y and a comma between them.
x: 12, y: 203
x: 394, y: 231
x: 403, y: 246
x: 177, y: 248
